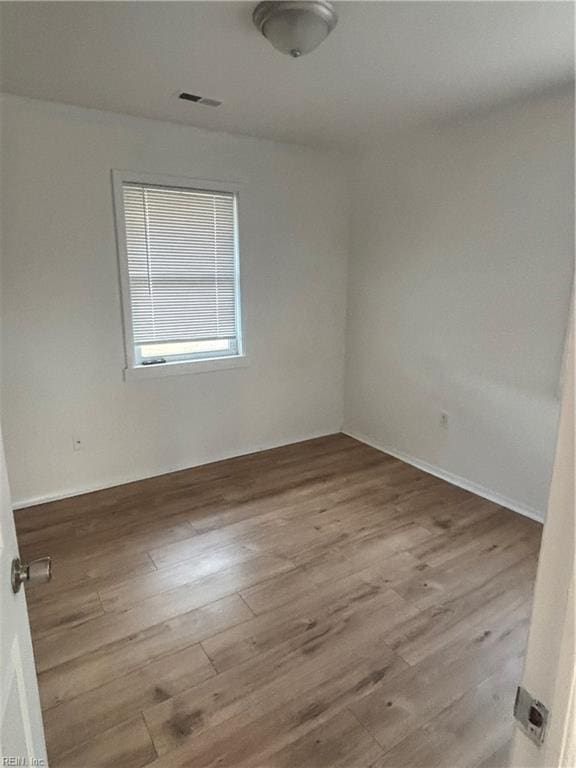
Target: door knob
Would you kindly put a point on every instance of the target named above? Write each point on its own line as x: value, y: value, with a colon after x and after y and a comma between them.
x: 34, y: 572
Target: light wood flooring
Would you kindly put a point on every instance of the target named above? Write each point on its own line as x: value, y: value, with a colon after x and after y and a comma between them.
x: 320, y: 605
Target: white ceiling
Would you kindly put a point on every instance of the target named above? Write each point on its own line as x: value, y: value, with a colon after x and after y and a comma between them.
x: 387, y: 64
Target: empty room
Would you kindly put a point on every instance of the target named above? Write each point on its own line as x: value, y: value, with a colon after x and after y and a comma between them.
x: 287, y: 384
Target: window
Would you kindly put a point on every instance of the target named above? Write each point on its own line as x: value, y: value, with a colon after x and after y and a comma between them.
x: 178, y: 248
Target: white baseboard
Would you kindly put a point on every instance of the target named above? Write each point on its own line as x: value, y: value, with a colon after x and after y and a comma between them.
x: 136, y: 477
x: 461, y: 482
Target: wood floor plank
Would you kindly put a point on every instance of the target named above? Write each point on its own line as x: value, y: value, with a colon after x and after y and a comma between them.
x: 230, y: 743
x: 415, y: 696
x: 495, y: 530
x: 319, y: 604
x: 463, y: 573
x: 339, y: 743
x: 199, y: 590
x: 313, y: 606
x: 83, y: 717
x: 127, y: 744
x: 266, y: 631
x: 74, y: 573
x: 61, y: 646
x: 290, y: 586
x: 433, y: 628
x: 288, y: 671
x: 77, y: 673
x: 353, y: 536
x: 60, y: 612
x: 468, y: 731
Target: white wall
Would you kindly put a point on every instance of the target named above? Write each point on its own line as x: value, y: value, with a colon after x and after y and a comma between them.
x: 459, y: 290
x: 62, y: 337
x: 462, y: 242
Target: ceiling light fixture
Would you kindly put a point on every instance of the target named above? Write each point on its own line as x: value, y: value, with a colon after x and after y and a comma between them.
x: 295, y: 28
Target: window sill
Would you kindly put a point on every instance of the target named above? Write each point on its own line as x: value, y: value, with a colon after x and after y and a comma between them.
x: 190, y: 366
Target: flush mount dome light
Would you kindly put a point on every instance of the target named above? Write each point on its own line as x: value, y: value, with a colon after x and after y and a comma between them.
x: 295, y: 28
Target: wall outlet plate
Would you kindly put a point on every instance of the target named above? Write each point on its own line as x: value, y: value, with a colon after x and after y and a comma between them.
x: 531, y: 715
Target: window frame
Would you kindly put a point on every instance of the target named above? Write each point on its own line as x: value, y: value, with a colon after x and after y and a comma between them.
x: 198, y: 364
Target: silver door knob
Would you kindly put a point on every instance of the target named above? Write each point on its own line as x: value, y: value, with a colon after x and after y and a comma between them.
x: 35, y: 572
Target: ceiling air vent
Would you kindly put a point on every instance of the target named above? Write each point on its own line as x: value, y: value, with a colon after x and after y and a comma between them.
x: 199, y: 99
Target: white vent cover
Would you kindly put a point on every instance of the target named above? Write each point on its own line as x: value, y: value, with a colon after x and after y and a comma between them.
x: 199, y: 99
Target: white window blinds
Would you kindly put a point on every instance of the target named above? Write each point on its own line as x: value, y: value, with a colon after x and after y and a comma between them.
x: 181, y: 249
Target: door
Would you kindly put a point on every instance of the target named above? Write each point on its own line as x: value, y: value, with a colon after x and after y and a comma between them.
x: 21, y: 731
x: 550, y: 668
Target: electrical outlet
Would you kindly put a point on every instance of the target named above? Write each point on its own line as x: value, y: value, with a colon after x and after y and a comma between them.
x: 444, y: 420
x: 77, y: 444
